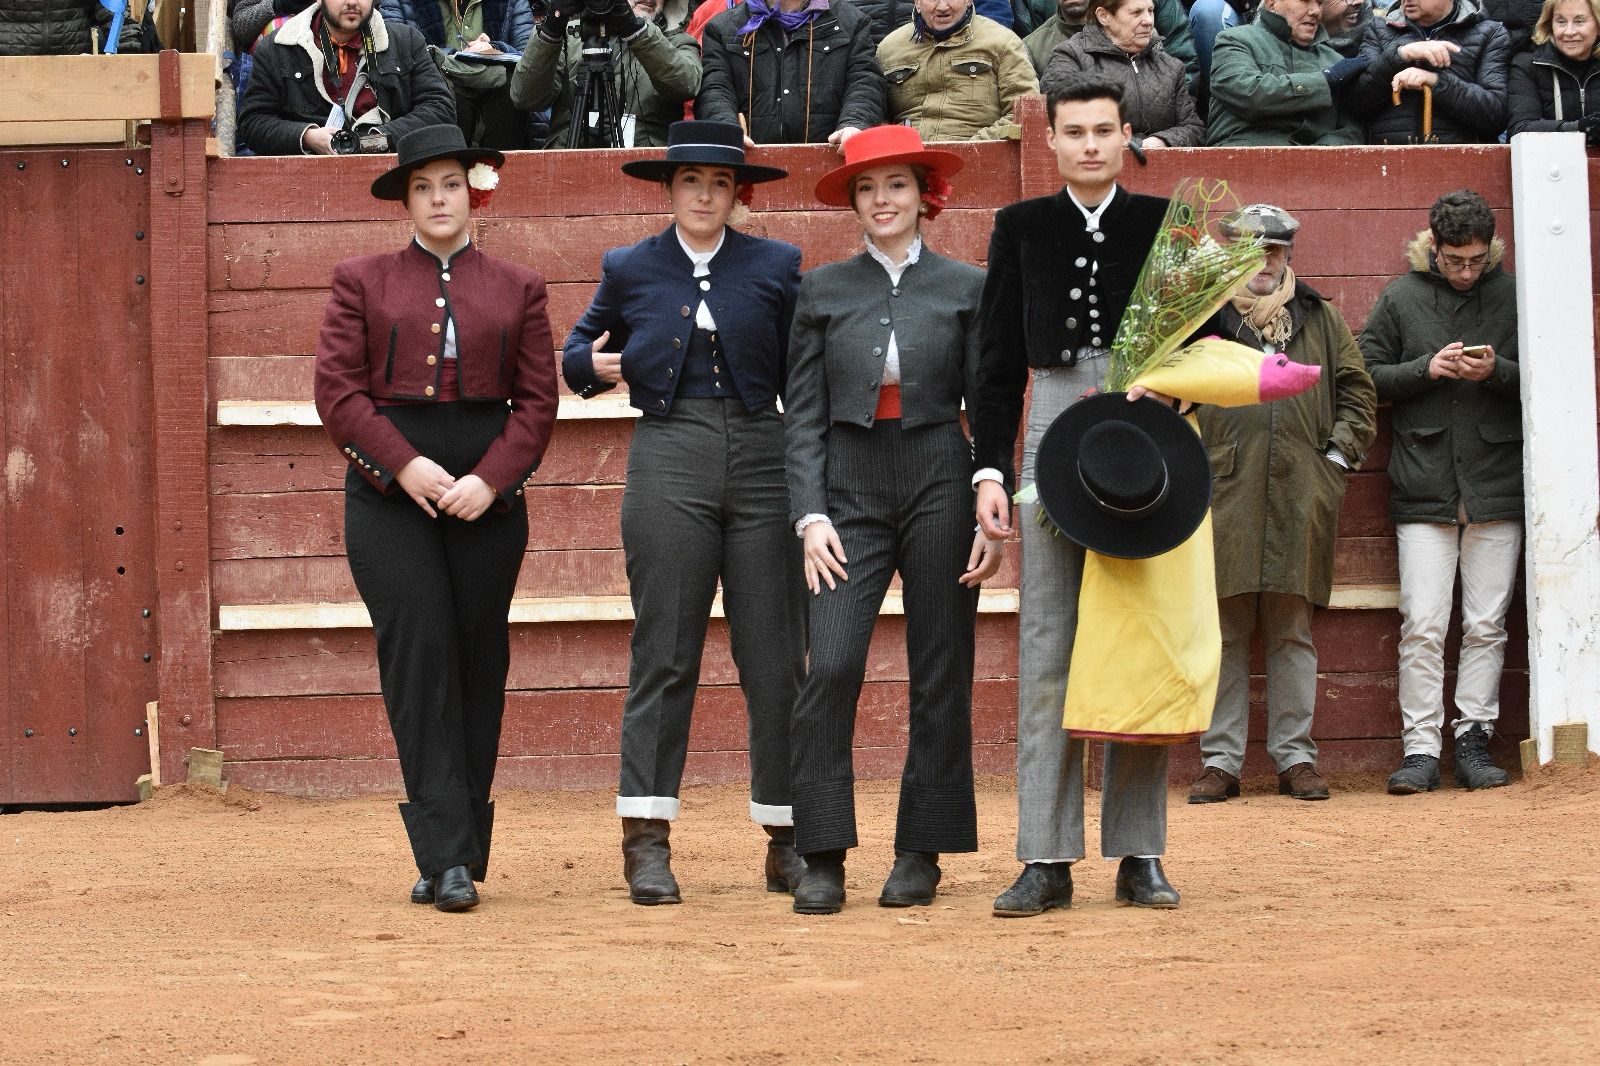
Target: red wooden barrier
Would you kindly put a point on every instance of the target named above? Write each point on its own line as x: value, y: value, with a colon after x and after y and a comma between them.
x: 239, y: 253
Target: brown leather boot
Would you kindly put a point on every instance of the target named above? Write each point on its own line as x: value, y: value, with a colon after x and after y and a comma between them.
x: 1302, y: 782
x: 1215, y: 785
x: 784, y: 867
x: 646, y: 861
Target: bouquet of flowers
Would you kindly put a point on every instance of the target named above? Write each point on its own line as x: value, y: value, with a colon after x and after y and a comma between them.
x: 1187, y: 276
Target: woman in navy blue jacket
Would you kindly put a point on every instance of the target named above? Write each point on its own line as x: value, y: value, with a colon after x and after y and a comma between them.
x: 696, y: 321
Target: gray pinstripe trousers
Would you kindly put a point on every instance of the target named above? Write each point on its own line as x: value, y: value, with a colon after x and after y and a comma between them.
x: 1133, y: 803
x: 900, y: 500
x: 706, y: 499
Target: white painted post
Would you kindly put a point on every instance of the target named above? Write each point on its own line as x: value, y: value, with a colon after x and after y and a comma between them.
x: 1561, y: 470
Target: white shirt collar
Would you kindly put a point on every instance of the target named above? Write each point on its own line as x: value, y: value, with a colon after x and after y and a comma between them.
x: 1091, y: 219
x: 701, y: 260
x: 896, y: 269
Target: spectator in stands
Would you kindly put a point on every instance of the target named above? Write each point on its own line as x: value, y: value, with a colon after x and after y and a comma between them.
x: 1346, y: 23
x: 434, y: 381
x: 1070, y: 17
x: 1172, y: 25
x: 1120, y: 44
x: 1277, y: 81
x: 461, y: 36
x: 1279, y: 473
x: 338, y: 58
x: 1447, y: 47
x: 62, y: 28
x: 954, y: 75
x: 1207, y: 18
x: 1549, y: 86
x: 695, y: 320
x: 252, y: 19
x: 1441, y: 345
x: 657, y: 71
x: 890, y: 15
x: 1519, y: 18
x: 794, y: 72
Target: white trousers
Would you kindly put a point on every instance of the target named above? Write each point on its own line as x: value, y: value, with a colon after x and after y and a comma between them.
x: 1486, y: 554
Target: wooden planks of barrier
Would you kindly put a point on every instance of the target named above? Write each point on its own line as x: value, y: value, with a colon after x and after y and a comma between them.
x: 300, y: 705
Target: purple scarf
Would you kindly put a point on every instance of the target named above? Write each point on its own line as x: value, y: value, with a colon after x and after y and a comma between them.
x: 760, y: 12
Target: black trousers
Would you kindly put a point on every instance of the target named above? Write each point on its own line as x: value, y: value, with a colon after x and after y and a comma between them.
x: 439, y: 590
x: 900, y: 500
x: 706, y: 498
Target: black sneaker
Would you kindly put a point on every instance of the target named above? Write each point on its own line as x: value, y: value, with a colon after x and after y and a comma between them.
x: 1475, y: 768
x: 1417, y: 773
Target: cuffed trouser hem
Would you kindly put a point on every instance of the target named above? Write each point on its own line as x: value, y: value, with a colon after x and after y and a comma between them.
x: 936, y: 819
x: 771, y: 814
x: 1462, y: 725
x: 827, y: 819
x: 658, y: 808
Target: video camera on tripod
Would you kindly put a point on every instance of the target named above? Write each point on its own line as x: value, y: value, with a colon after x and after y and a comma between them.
x: 597, y: 108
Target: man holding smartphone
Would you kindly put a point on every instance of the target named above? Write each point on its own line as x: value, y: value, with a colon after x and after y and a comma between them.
x: 1441, y: 345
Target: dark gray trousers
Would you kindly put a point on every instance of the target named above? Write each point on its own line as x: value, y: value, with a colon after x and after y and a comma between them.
x: 899, y: 500
x: 706, y: 498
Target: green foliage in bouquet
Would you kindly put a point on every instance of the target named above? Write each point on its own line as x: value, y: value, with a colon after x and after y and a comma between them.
x: 1188, y: 275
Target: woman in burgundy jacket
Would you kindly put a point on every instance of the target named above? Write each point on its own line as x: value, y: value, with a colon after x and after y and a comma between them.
x: 435, y: 378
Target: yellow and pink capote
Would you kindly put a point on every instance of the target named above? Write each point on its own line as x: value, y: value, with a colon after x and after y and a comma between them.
x: 1148, y: 649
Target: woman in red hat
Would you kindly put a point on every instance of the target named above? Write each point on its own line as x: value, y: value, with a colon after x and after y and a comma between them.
x: 433, y: 378
x: 883, y: 352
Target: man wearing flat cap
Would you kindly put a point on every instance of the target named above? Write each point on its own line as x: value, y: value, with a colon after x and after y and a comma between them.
x: 1279, y: 473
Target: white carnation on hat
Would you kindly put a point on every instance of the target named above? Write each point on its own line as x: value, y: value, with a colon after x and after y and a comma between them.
x: 483, y: 177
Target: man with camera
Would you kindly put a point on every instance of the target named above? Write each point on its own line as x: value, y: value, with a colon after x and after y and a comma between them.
x: 653, y: 71
x: 337, y: 78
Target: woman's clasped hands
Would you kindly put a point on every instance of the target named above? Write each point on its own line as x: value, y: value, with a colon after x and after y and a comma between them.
x: 429, y: 484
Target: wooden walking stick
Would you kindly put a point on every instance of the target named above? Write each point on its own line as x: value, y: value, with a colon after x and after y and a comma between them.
x: 1427, y: 112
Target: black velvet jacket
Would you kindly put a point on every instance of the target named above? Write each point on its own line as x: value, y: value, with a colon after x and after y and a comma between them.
x: 1036, y: 310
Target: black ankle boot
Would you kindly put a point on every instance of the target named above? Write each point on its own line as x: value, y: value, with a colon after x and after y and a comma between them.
x: 821, y: 888
x: 1141, y: 883
x: 647, y: 861
x: 454, y: 891
x: 784, y: 867
x: 913, y: 881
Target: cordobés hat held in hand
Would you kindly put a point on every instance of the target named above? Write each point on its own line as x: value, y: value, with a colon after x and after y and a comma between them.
x: 1129, y: 480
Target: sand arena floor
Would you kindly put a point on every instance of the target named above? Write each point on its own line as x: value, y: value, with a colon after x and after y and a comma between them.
x: 256, y: 928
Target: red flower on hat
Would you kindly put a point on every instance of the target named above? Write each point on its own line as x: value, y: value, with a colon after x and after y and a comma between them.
x: 936, y: 195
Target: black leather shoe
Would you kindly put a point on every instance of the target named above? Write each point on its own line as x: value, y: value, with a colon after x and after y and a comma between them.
x: 1043, y: 886
x: 454, y: 890
x: 821, y: 889
x: 1141, y: 883
x: 422, y: 891
x: 913, y: 881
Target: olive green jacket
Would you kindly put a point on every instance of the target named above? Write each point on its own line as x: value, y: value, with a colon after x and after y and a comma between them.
x: 1276, y: 494
x: 1267, y: 90
x: 1457, y: 443
x: 961, y: 89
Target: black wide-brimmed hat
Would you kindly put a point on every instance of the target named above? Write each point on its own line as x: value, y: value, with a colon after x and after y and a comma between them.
x: 1129, y: 480
x: 699, y: 143
x: 421, y: 147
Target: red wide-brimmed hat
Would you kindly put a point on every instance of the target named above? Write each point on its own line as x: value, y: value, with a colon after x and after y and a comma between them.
x: 882, y: 146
